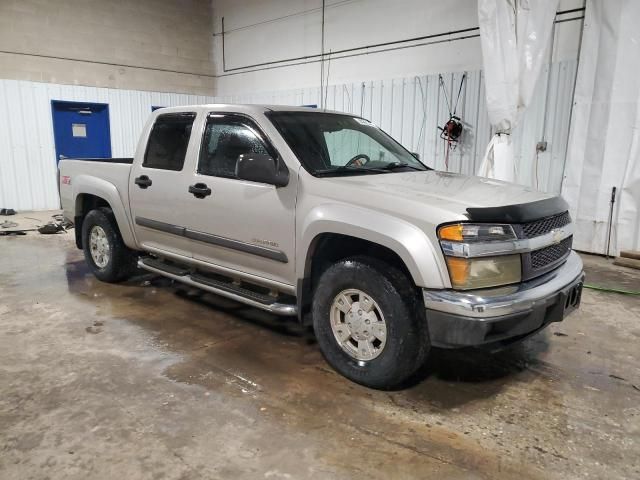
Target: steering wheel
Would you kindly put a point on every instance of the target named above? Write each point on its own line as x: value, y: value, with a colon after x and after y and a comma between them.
x: 359, y: 160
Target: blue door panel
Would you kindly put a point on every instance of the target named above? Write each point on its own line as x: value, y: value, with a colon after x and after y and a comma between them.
x: 81, y: 130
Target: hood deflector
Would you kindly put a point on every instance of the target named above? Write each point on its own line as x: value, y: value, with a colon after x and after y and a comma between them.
x: 519, y: 213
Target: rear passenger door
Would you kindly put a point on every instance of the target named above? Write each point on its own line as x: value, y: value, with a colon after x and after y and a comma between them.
x: 158, y: 185
x: 240, y: 225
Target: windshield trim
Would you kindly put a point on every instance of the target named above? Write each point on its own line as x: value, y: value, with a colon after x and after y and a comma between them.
x: 327, y: 173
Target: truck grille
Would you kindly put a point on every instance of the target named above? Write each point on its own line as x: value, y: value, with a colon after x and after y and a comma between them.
x: 544, y: 225
x: 548, y: 256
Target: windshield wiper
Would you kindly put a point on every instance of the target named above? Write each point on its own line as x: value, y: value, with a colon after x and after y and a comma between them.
x: 345, y: 170
x: 394, y: 165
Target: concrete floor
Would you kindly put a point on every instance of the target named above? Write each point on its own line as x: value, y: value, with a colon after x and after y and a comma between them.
x: 148, y: 380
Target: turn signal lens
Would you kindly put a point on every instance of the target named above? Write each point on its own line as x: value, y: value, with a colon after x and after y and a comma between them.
x: 469, y: 232
x: 451, y: 232
x: 458, y: 271
x: 483, y: 272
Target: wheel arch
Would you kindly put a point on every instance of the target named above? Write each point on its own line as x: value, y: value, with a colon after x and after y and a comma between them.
x: 95, y: 193
x: 334, y: 232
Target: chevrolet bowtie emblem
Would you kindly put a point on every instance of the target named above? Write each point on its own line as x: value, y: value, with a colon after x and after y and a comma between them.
x: 557, y: 236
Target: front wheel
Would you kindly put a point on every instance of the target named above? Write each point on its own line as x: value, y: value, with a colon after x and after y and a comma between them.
x: 106, y: 254
x: 369, y: 322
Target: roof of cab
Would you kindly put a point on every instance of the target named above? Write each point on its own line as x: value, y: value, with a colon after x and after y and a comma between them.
x: 245, y: 108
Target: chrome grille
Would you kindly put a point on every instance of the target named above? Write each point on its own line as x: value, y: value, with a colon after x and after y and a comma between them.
x: 549, y: 255
x: 545, y: 225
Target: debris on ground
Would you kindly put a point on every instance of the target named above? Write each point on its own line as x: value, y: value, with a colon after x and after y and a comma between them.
x: 50, y: 228
x: 57, y: 225
x: 622, y: 379
x: 7, y: 211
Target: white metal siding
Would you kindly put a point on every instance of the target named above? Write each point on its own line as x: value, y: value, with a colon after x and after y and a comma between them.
x: 410, y: 109
x: 27, y: 149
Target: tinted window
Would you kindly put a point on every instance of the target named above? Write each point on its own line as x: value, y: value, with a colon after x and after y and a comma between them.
x: 168, y: 141
x: 225, y: 139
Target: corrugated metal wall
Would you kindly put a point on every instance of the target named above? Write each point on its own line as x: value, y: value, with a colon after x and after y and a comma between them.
x: 27, y: 150
x: 410, y: 109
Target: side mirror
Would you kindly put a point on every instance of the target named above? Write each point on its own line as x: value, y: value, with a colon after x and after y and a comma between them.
x: 416, y: 155
x: 261, y: 168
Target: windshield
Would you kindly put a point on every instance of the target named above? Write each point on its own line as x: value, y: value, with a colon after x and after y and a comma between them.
x: 330, y: 144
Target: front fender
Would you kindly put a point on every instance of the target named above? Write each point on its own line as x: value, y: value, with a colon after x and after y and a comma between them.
x: 407, y: 240
x: 87, y: 184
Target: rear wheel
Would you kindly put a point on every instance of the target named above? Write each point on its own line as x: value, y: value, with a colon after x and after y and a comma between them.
x: 369, y: 323
x: 108, y: 257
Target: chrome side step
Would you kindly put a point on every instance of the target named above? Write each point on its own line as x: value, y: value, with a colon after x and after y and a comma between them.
x: 165, y: 266
x: 227, y: 290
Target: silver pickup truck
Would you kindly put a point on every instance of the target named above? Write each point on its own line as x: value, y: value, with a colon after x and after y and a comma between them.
x: 323, y: 216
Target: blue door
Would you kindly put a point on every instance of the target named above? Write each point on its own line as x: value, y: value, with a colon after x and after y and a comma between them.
x: 81, y: 130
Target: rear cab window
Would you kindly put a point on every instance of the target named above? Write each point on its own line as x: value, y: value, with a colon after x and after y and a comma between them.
x: 168, y: 141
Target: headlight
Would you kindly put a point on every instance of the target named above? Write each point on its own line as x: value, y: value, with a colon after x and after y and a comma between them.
x: 470, y: 254
x: 469, y: 232
x: 483, y: 272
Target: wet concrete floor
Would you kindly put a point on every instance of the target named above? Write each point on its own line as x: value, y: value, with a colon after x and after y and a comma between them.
x: 149, y: 380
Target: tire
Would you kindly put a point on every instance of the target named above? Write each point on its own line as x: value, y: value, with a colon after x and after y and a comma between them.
x: 119, y: 261
x: 395, y: 300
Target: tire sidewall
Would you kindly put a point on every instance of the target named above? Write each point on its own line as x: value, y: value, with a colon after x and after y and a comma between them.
x: 405, y: 339
x: 99, y: 218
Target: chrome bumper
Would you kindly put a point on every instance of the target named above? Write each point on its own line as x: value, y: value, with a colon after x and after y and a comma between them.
x: 495, y: 302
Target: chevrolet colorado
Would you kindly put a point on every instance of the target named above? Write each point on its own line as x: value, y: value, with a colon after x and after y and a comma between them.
x: 323, y: 216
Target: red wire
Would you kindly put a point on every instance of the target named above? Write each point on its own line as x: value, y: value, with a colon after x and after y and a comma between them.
x: 449, y: 128
x: 446, y: 157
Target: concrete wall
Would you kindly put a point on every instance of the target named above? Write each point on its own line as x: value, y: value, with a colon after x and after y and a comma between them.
x: 266, y: 31
x: 155, y: 45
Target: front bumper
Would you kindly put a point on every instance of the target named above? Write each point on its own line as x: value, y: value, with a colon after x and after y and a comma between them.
x: 503, y: 314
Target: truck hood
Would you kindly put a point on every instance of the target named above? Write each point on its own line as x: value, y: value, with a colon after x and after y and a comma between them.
x: 444, y: 195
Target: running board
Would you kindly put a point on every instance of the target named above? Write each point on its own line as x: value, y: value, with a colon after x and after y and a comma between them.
x: 164, y: 266
x: 227, y: 290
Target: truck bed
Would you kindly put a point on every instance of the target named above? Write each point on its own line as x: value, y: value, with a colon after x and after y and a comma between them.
x: 101, y: 173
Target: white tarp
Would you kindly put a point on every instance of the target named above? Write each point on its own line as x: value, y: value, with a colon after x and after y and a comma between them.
x: 604, y: 141
x: 514, y: 35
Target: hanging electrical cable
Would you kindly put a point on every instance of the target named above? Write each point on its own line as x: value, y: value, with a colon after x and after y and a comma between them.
x: 345, y: 90
x: 322, y: 106
x: 424, y: 116
x: 326, y: 83
x: 541, y: 146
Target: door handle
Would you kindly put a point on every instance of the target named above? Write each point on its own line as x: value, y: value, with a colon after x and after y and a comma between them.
x: 143, y: 181
x: 199, y: 190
